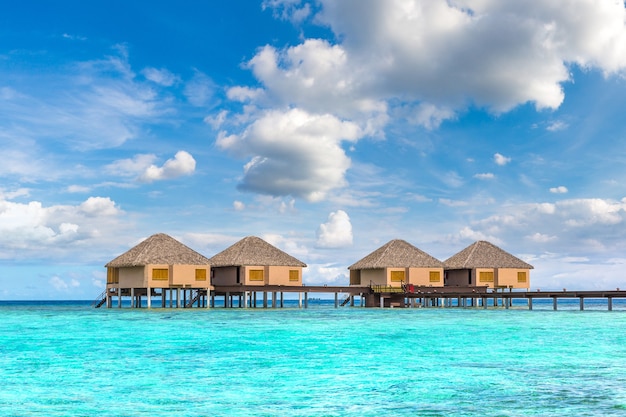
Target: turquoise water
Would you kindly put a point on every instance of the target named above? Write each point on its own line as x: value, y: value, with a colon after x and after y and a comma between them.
x: 67, y: 359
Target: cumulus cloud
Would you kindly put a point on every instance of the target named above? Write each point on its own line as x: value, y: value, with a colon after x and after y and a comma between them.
x: 336, y: 232
x: 293, y: 153
x: 500, y: 159
x: 34, y: 231
x: 583, y: 226
x: 424, y: 60
x: 238, y: 205
x: 182, y: 164
x: 559, y: 190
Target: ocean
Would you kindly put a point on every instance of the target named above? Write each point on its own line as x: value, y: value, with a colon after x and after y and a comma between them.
x: 68, y: 359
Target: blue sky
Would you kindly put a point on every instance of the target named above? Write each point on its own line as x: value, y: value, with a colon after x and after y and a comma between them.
x: 327, y: 128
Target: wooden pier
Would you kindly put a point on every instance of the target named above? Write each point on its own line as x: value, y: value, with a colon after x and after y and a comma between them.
x: 478, y: 297
x: 272, y: 296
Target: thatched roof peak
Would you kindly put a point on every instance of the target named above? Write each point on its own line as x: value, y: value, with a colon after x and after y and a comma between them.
x: 397, y: 253
x: 482, y: 254
x: 253, y: 250
x: 159, y: 249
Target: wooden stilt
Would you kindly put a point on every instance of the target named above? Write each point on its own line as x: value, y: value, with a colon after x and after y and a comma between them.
x: 149, y: 298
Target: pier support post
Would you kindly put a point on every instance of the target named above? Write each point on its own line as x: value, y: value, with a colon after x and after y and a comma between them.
x: 382, y: 301
x: 336, y: 299
x: 530, y: 303
x: 582, y: 303
x: 274, y: 299
x: 610, y: 303
x: 132, y: 298
x: 119, y: 297
x: 149, y: 298
x: 554, y: 303
x: 264, y: 299
x: 306, y: 300
x: 299, y: 300
x: 177, y: 297
x: 254, y: 299
x: 282, y: 299
x: 226, y: 299
x: 351, y: 300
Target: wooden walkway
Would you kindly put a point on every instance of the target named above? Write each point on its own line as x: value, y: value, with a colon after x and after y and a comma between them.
x: 482, y: 297
x: 370, y: 296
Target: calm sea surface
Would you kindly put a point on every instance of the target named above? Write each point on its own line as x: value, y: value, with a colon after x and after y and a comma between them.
x: 67, y: 359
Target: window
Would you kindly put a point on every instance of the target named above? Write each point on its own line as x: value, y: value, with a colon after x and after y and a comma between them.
x: 160, y: 274
x: 113, y: 276
x: 294, y: 275
x: 200, y: 274
x: 521, y: 276
x: 435, y: 276
x: 397, y: 276
x: 486, y: 276
x: 256, y: 275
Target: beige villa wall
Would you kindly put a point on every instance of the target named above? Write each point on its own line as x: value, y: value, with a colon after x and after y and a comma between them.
x: 374, y: 277
x: 157, y: 283
x: 507, y: 277
x: 279, y: 275
x: 246, y: 274
x: 224, y: 275
x: 185, y: 275
x: 131, y: 277
x: 421, y: 276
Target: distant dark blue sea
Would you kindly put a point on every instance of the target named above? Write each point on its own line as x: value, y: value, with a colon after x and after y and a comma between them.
x: 65, y: 358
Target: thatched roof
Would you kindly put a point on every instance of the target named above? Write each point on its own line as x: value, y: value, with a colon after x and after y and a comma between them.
x: 252, y: 250
x: 397, y: 254
x: 483, y: 254
x: 159, y: 249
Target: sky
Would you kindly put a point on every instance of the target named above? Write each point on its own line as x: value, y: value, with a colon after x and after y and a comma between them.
x: 325, y: 127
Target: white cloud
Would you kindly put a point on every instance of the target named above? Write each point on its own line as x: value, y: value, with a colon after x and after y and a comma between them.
x: 292, y: 10
x: 453, y: 203
x: 32, y: 231
x: 99, y: 206
x: 559, y: 190
x: 78, y: 189
x: 500, y: 159
x: 557, y: 125
x: 87, y: 105
x: 217, y: 120
x: 131, y: 167
x: 160, y: 76
x: 293, y: 153
x: 200, y: 90
x: 540, y: 237
x: 485, y: 176
x: 62, y: 285
x: 238, y: 206
x: 182, y: 164
x: 336, y: 232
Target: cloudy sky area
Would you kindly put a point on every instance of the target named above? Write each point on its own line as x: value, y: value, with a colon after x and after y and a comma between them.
x: 325, y: 127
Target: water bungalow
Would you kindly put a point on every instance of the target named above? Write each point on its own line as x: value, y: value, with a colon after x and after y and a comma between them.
x: 159, y: 263
x: 395, y: 275
x: 252, y: 262
x: 483, y: 264
x: 397, y: 266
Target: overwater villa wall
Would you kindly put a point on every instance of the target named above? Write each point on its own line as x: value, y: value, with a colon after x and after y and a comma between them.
x: 489, y: 277
x: 257, y: 275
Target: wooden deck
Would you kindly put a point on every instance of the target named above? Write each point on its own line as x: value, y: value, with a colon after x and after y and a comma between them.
x: 370, y: 296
